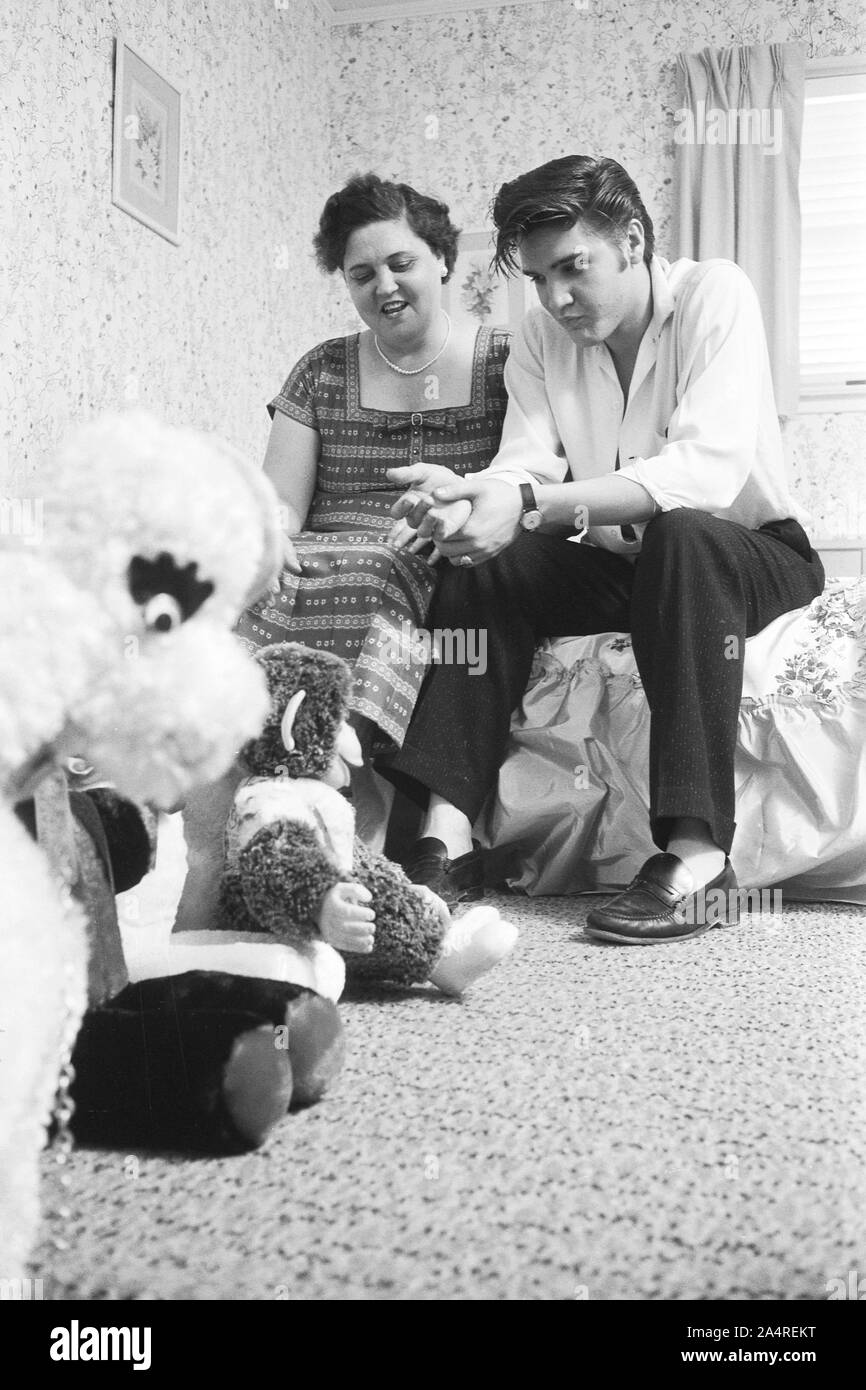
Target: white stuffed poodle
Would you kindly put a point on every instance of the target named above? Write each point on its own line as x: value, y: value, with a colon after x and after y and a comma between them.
x: 115, y: 629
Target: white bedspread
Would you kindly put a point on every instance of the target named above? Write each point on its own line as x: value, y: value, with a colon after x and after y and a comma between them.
x: 570, y: 812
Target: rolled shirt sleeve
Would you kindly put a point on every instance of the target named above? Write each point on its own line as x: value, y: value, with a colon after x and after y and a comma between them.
x: 722, y: 386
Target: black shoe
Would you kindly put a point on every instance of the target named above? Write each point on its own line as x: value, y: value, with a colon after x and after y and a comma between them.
x: 455, y: 880
x: 660, y: 905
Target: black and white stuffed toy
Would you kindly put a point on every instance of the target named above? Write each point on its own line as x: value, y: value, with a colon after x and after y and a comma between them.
x: 295, y: 870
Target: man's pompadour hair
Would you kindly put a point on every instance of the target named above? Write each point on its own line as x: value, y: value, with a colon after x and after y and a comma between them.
x: 575, y: 188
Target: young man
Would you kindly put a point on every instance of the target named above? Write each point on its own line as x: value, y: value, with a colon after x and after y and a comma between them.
x: 649, y: 384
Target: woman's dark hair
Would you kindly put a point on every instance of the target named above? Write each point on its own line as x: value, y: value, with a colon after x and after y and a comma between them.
x: 366, y: 198
x: 598, y: 192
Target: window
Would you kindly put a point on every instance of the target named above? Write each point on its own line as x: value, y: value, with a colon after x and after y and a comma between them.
x: 833, y: 263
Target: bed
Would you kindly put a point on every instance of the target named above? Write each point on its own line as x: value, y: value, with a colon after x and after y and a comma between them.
x: 569, y: 814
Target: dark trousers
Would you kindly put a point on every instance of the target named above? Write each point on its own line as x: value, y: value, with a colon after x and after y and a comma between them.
x: 699, y: 587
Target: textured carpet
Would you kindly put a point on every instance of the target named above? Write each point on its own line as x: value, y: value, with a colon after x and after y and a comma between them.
x: 685, y: 1121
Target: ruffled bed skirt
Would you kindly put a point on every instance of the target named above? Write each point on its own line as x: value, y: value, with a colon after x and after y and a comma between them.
x: 570, y: 813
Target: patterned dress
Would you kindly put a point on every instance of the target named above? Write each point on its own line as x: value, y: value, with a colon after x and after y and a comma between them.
x: 358, y: 596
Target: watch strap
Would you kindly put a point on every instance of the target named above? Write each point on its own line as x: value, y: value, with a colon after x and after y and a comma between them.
x: 527, y: 498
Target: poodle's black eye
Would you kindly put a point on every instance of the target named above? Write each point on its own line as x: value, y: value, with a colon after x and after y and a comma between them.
x: 162, y: 613
x: 163, y: 580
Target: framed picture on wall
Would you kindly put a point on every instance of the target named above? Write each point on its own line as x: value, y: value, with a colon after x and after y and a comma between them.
x: 147, y: 143
x: 475, y: 294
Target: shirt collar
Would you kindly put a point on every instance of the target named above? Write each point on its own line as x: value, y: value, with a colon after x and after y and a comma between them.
x: 663, y: 299
x: 663, y: 307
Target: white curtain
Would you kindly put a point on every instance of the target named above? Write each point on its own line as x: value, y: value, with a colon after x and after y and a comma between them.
x: 737, y: 135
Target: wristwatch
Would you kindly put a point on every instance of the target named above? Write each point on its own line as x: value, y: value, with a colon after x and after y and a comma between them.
x: 531, y: 517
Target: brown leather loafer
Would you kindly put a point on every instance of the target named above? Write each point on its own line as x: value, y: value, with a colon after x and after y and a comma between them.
x: 660, y: 904
x: 455, y: 880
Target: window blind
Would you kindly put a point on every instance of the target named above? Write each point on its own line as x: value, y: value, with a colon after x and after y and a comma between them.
x: 833, y: 258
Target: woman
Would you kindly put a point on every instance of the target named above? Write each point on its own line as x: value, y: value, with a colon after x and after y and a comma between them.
x: 410, y: 387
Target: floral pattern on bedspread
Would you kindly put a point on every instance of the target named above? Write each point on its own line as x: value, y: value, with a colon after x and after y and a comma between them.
x: 819, y: 657
x: 831, y: 642
x: 606, y: 658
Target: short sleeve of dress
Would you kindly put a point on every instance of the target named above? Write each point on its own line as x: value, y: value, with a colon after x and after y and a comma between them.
x: 297, y: 396
x: 497, y: 354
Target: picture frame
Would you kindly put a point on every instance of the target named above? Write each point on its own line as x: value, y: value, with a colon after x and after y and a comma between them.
x: 475, y: 294
x: 146, y: 153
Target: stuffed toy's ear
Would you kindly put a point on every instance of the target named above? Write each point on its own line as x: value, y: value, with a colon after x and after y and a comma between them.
x: 291, y: 668
x: 288, y: 720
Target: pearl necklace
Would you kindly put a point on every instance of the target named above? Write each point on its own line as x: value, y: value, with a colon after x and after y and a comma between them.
x: 414, y: 371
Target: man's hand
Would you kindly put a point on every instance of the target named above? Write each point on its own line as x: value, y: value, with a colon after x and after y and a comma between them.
x: 491, y: 524
x: 344, y: 921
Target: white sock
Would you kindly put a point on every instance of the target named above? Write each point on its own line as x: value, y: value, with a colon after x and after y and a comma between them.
x: 472, y: 946
x: 444, y: 822
x: 704, y: 863
x: 690, y: 841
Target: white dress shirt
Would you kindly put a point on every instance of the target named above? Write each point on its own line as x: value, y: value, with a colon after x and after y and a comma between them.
x: 699, y: 428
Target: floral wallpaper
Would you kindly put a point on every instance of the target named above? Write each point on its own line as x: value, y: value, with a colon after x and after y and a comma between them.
x: 97, y: 310
x: 460, y: 102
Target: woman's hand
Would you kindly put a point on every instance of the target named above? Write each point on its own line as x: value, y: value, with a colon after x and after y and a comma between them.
x: 420, y: 479
x: 344, y: 920
x: 446, y: 520
x: 290, y: 563
x: 404, y: 537
x: 290, y: 557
